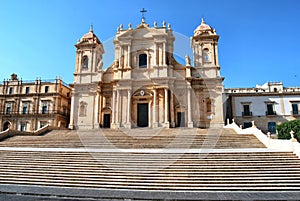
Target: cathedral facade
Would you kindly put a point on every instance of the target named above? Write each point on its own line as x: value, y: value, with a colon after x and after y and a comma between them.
x: 145, y: 86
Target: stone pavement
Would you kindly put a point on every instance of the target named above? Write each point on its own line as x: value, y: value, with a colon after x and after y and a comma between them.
x: 37, y: 193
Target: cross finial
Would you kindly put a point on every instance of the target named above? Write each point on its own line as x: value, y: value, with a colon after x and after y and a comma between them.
x: 91, y: 28
x: 143, y: 12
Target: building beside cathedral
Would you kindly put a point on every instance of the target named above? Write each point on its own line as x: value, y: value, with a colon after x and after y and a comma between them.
x: 267, y: 105
x: 27, y: 105
x: 145, y: 86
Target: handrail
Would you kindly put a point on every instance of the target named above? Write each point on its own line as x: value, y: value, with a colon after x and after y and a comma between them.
x: 277, y: 144
x: 4, y: 134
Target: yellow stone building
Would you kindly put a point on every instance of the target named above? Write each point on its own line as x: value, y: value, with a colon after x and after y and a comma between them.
x: 30, y: 105
x: 145, y: 86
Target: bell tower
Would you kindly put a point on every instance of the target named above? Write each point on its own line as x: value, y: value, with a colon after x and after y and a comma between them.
x: 89, y: 51
x: 87, y: 78
x: 207, y: 70
x: 205, y: 49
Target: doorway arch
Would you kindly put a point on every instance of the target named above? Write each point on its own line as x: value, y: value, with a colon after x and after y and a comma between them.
x: 6, y: 125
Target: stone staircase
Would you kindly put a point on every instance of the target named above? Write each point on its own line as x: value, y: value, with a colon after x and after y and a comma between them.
x: 139, y: 163
x: 138, y: 139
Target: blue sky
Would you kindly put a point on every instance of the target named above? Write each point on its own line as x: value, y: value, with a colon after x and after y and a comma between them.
x: 259, y: 39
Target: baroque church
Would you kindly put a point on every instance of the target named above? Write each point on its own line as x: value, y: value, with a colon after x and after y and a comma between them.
x: 145, y: 86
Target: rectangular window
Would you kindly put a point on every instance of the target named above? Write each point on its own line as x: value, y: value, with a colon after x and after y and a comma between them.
x: 295, y: 108
x: 27, y: 90
x: 247, y: 110
x: 46, y: 89
x: 8, y: 109
x: 44, y: 109
x: 25, y: 109
x: 23, y: 126
x: 270, y: 110
x: 143, y: 61
x: 11, y: 90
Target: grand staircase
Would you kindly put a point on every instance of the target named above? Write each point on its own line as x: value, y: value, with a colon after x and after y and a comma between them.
x: 138, y: 139
x: 143, y: 164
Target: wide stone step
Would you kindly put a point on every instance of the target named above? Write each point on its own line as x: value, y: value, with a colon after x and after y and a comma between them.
x: 138, y: 138
x: 195, y: 161
x: 237, y: 162
x: 158, y: 181
x: 160, y: 186
x: 138, y: 167
x: 158, y: 175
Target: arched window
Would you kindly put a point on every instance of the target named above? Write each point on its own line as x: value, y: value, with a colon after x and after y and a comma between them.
x: 206, y: 56
x: 208, y: 105
x: 143, y: 61
x: 85, y: 62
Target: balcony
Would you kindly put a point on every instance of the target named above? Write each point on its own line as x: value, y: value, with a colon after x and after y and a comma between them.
x: 270, y: 113
x: 247, y: 114
x: 36, y: 112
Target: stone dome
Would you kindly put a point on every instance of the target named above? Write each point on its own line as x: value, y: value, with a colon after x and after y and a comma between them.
x: 89, y: 37
x: 203, y: 28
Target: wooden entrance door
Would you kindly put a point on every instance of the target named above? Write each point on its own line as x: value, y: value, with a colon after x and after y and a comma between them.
x: 106, y: 121
x: 181, y: 119
x: 142, y: 115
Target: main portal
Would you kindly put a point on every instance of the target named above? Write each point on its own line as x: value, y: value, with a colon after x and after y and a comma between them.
x: 142, y: 116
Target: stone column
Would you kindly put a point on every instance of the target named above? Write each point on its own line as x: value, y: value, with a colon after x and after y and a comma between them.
x: 117, y: 109
x: 164, y: 54
x: 79, y: 65
x: 100, y: 109
x: 155, y: 55
x: 172, y: 110
x: 96, y: 110
x: 113, y: 109
x: 71, y: 124
x: 216, y: 54
x: 120, y: 56
x: 128, y: 124
x: 160, y: 55
x: 190, y: 123
x: 149, y: 114
x: 128, y: 56
x: 167, y: 124
x: 148, y: 60
x: 155, y: 124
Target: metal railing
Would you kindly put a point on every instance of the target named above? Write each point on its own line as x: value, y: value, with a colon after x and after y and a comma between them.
x: 270, y: 113
x: 35, y: 112
x: 53, y: 81
x: 247, y: 114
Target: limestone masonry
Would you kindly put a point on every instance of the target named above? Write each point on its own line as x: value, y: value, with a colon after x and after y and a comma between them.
x: 144, y: 87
